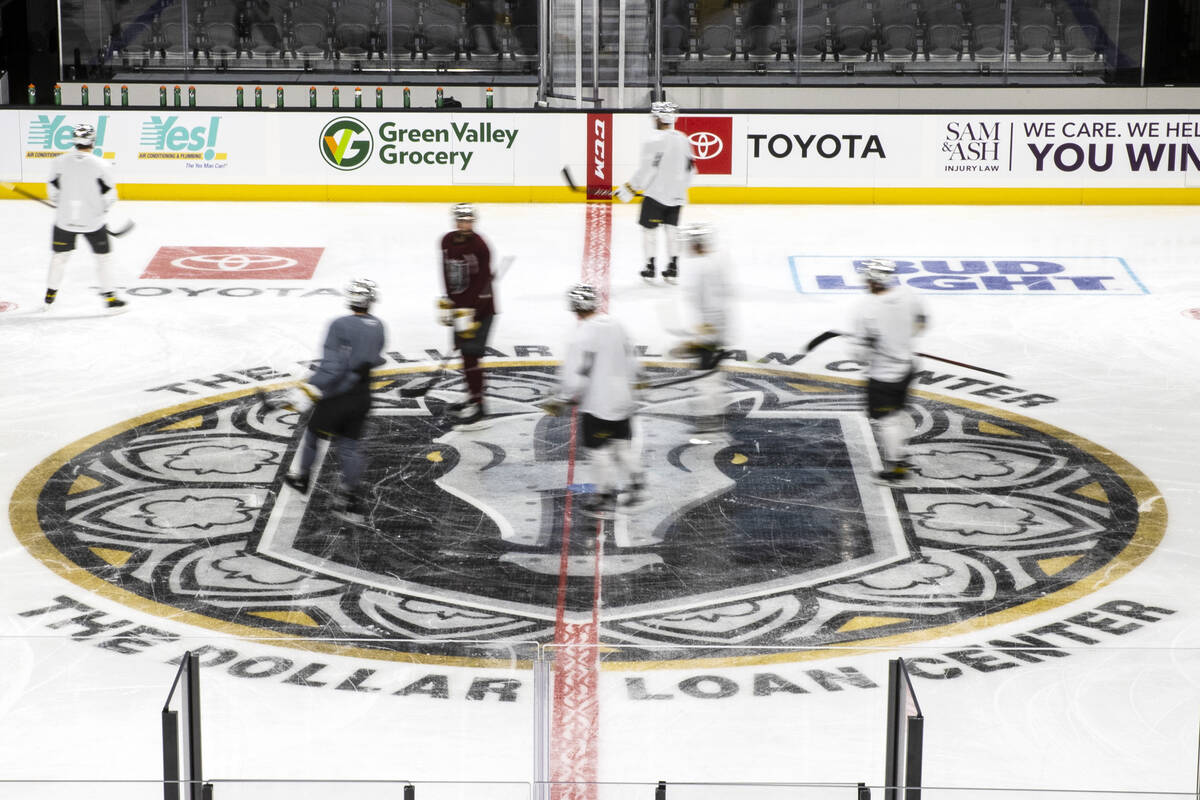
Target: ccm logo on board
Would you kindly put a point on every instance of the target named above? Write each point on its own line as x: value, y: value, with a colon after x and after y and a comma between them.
x: 711, y: 139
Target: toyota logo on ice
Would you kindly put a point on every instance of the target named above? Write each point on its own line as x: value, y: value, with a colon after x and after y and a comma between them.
x: 233, y: 262
x: 705, y: 145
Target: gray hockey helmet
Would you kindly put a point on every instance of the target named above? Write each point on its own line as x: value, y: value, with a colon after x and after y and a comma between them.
x: 361, y: 293
x: 581, y: 298
x: 84, y: 135
x: 878, y: 270
x: 698, y: 234
x: 665, y: 111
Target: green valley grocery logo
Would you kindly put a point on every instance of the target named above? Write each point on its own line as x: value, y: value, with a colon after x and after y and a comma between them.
x: 346, y: 143
x: 770, y: 536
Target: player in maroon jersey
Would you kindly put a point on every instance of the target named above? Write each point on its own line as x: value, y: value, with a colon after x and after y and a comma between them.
x: 468, y: 305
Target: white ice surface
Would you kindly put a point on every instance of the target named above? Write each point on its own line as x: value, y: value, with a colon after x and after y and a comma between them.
x: 1120, y: 715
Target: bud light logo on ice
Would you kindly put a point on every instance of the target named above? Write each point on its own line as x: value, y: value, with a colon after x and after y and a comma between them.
x: 170, y: 138
x: 1094, y: 275
x: 52, y: 134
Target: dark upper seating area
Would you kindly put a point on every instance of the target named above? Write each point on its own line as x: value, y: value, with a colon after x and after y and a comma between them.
x: 699, y: 37
x: 337, y: 35
x: 884, y: 35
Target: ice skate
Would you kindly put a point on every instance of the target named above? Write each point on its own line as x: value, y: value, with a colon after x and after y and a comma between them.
x: 894, y: 472
x: 671, y: 273
x: 348, y: 506
x: 632, y: 495
x: 297, y: 481
x: 113, y: 304
x: 470, y: 417
x: 599, y: 505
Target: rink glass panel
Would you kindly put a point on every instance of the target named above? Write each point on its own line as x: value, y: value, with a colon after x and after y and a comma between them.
x: 1108, y: 717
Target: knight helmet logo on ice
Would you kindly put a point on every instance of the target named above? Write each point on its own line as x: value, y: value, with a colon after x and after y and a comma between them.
x: 974, y: 275
x: 172, y: 138
x: 52, y: 134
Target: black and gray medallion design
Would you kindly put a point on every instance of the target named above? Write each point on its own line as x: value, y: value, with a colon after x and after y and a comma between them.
x: 772, y: 534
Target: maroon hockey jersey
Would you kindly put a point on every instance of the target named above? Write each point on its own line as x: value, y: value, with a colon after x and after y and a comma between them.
x: 467, y: 269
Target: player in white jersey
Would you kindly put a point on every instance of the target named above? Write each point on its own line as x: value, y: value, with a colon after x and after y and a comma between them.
x: 82, y: 189
x: 663, y: 175
x: 599, y: 374
x: 886, y: 322
x: 707, y: 292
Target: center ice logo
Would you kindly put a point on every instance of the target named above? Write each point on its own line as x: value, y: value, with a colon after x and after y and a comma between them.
x: 775, y: 537
x: 346, y: 143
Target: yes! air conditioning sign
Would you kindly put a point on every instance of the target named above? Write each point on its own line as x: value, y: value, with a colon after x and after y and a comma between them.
x: 175, y: 137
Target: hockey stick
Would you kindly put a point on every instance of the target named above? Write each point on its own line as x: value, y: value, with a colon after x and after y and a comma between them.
x: 964, y: 365
x: 566, y: 173
x: 694, y: 376
x: 818, y: 340
x: 827, y: 335
x: 281, y: 399
x: 123, y: 227
x: 12, y: 187
x: 505, y: 266
x: 268, y: 402
x: 601, y: 193
x: 421, y: 389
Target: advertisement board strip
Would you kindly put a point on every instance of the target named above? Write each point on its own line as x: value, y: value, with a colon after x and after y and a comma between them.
x: 976, y: 158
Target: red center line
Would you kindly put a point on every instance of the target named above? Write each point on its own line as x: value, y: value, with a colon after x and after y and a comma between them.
x: 560, y: 605
x: 576, y: 716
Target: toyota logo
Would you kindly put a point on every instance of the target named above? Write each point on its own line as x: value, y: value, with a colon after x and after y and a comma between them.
x: 705, y: 145
x: 233, y: 262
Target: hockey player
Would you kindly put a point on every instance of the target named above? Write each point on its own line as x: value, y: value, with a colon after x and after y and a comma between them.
x: 339, y: 392
x: 706, y: 290
x: 663, y: 174
x: 599, y: 374
x: 82, y: 189
x: 468, y: 305
x: 885, y: 323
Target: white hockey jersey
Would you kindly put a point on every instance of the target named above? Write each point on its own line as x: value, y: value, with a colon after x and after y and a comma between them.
x: 600, y: 369
x: 82, y: 187
x: 884, y: 327
x: 664, y: 169
x: 707, y: 292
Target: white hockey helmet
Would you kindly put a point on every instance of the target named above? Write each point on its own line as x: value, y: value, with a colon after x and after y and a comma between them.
x: 665, y: 111
x: 84, y: 135
x: 878, y: 270
x: 698, y: 234
x: 581, y: 298
x: 461, y: 211
x: 361, y: 293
